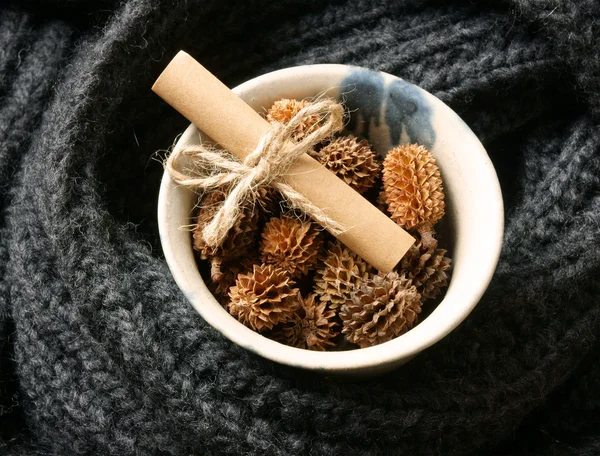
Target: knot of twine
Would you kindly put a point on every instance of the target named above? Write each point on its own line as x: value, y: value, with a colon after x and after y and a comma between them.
x: 211, y: 169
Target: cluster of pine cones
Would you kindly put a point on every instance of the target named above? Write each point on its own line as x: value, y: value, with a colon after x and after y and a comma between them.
x: 281, y: 275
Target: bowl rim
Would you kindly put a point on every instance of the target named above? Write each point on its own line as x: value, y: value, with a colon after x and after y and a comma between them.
x: 404, y: 346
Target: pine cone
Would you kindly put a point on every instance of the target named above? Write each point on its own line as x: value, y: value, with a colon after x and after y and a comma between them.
x: 381, y: 204
x: 283, y: 110
x: 229, y: 272
x: 290, y: 244
x: 351, y: 160
x: 312, y: 326
x: 342, y: 272
x: 263, y: 298
x: 239, y: 242
x: 426, y: 267
x: 382, y: 308
x: 267, y: 199
x: 220, y: 287
x: 412, y: 189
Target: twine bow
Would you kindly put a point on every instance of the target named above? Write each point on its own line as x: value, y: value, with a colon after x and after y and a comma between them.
x: 211, y: 169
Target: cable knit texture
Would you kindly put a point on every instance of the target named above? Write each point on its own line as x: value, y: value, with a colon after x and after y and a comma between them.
x: 101, y: 354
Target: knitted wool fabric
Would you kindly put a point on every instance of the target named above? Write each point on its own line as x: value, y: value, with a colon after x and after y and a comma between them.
x: 101, y: 354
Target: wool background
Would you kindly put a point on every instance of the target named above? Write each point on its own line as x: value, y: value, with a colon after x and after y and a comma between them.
x: 101, y: 354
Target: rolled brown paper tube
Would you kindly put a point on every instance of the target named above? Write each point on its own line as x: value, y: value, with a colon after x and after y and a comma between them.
x: 204, y: 100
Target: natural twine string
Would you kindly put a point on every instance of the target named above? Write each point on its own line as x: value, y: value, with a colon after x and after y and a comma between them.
x: 210, y: 169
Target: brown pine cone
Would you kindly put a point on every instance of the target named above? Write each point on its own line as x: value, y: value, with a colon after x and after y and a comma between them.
x: 381, y: 204
x: 312, y: 326
x: 291, y: 244
x: 412, y: 189
x: 382, y: 308
x: 240, y: 241
x: 267, y: 200
x: 340, y: 275
x: 229, y: 272
x: 263, y: 298
x: 427, y: 268
x: 351, y: 160
x: 283, y: 110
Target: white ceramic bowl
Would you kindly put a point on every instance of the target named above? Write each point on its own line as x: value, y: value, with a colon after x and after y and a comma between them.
x: 389, y: 111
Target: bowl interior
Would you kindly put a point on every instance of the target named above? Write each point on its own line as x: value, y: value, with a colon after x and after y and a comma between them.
x: 388, y: 111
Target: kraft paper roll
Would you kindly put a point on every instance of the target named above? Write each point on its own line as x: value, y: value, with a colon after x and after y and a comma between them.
x: 204, y: 100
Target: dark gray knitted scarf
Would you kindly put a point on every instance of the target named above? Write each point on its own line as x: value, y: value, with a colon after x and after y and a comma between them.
x: 100, y: 354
